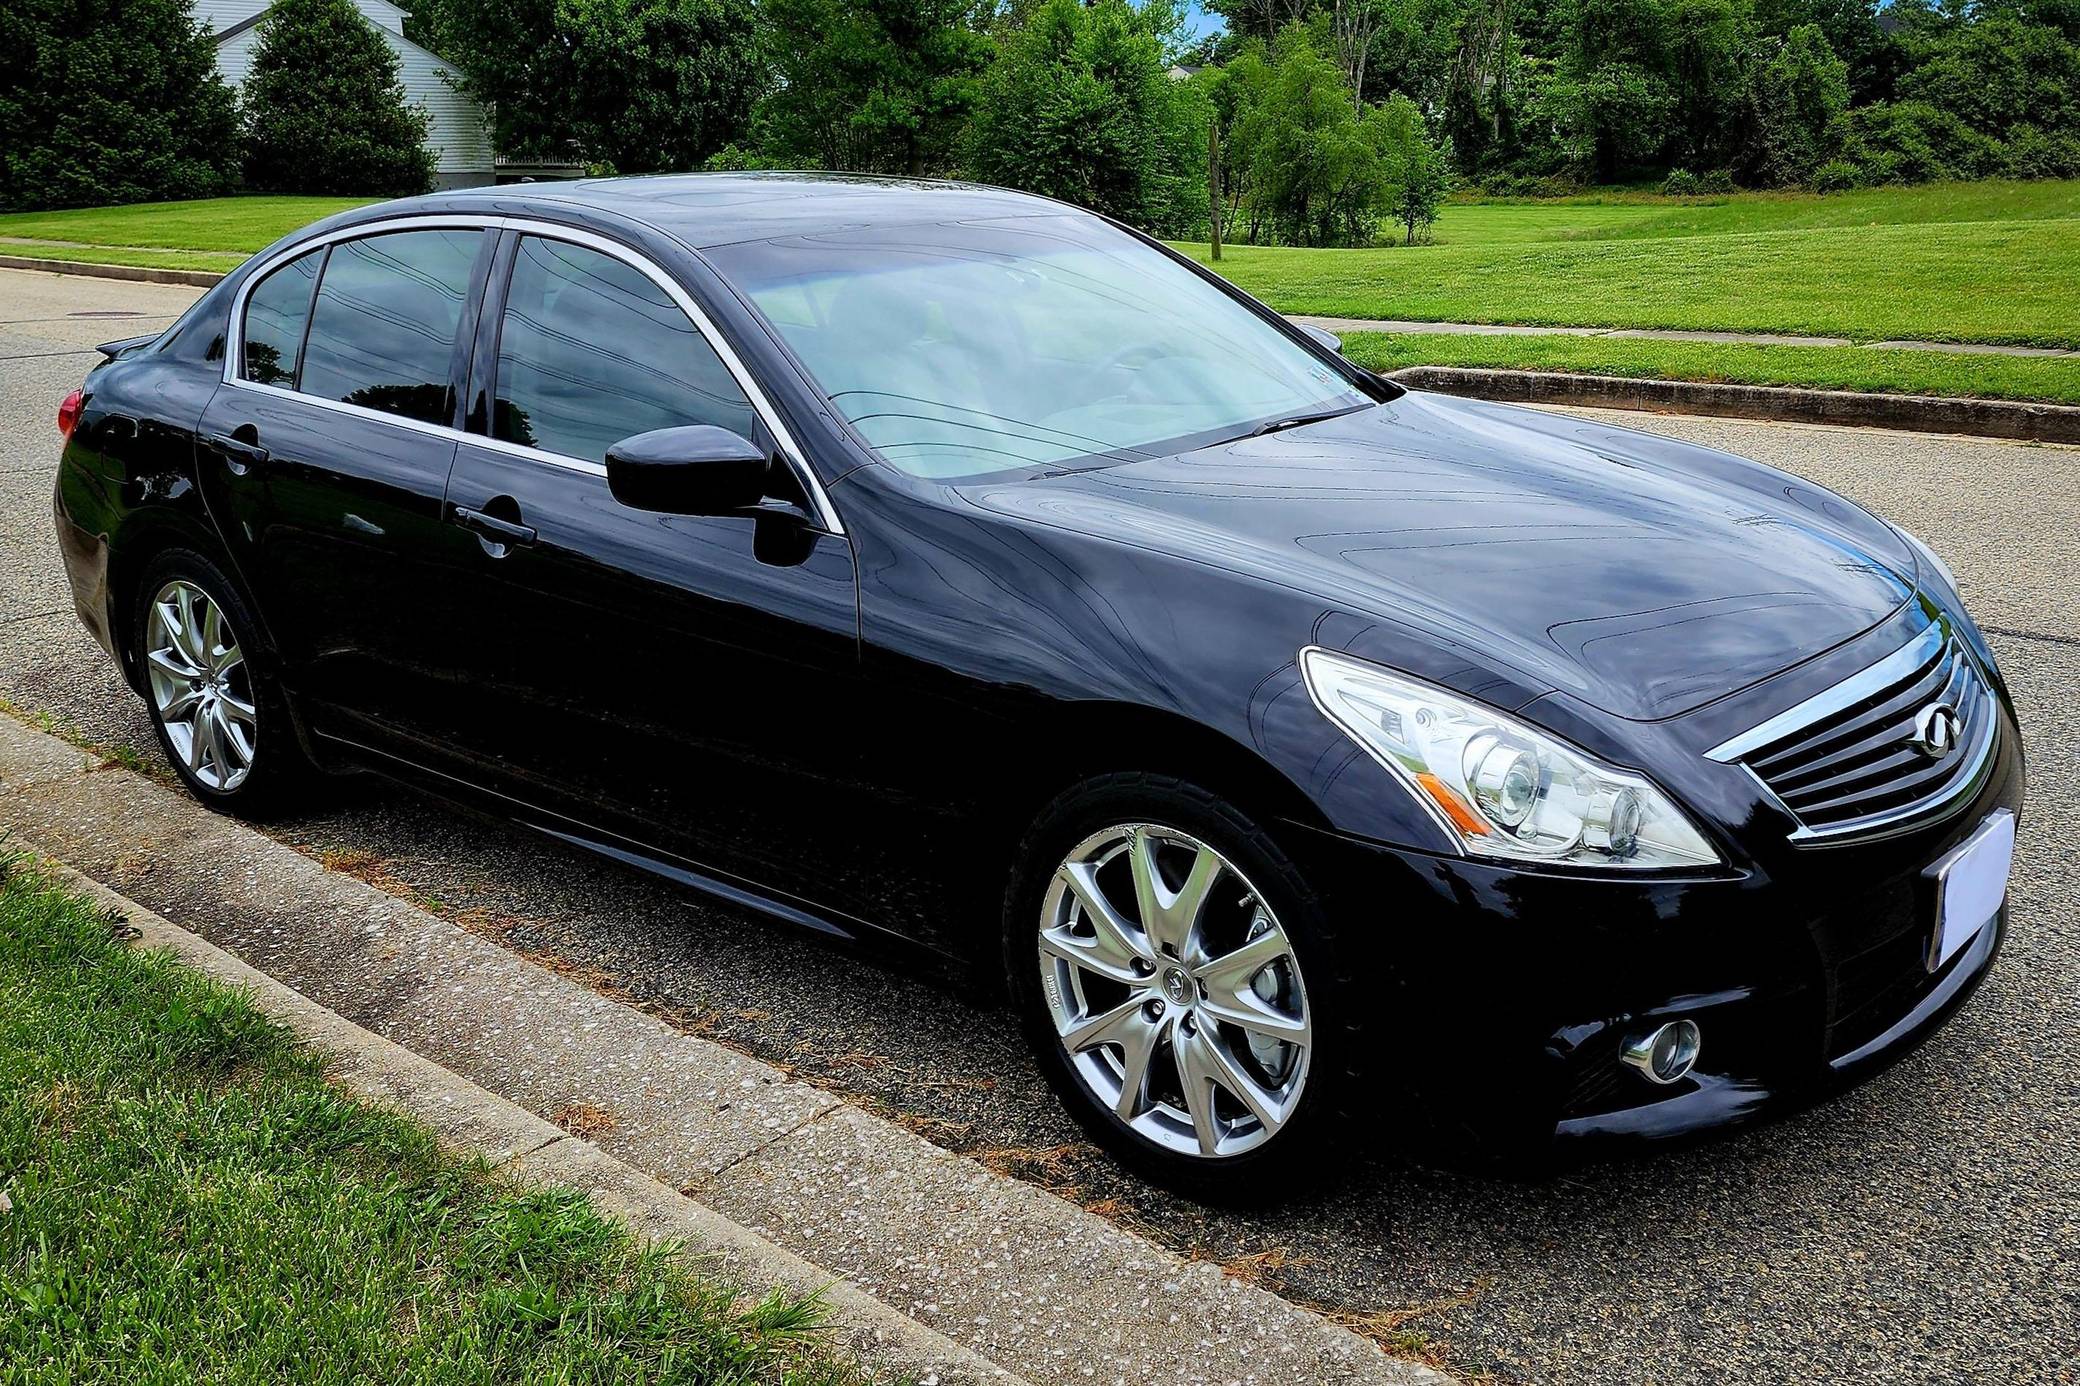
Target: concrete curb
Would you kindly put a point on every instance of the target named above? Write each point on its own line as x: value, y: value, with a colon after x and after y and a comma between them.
x: 1990, y: 418
x: 1023, y: 1281
x: 201, y: 279
x: 469, y: 1119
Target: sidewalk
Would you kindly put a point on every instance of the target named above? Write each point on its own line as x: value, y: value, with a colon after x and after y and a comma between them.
x: 1482, y: 329
x: 939, y: 1264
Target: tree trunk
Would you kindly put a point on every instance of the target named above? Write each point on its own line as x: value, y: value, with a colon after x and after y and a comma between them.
x: 1213, y: 181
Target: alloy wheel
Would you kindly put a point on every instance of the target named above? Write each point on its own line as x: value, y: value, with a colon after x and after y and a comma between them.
x: 201, y: 689
x: 1175, y: 991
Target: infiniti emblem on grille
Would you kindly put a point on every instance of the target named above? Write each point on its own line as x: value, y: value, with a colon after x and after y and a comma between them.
x: 1936, y: 730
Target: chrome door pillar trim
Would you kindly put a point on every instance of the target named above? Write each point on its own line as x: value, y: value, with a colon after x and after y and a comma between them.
x: 234, y: 351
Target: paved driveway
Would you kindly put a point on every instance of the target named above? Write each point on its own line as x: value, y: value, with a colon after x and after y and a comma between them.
x: 1923, y: 1227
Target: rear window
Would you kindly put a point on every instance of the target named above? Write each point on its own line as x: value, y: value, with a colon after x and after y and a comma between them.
x: 276, y: 312
x: 389, y: 311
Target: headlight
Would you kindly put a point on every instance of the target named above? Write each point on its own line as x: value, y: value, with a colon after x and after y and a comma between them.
x: 1498, y: 787
x: 1946, y: 597
x: 1935, y: 560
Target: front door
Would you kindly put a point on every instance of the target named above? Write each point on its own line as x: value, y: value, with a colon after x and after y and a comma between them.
x: 677, y: 680
x: 325, y: 461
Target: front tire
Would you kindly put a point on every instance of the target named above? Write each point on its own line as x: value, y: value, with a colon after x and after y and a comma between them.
x: 1174, y: 973
x: 219, y: 716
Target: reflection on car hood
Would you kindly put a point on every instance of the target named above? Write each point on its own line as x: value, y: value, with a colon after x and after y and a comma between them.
x: 1641, y: 574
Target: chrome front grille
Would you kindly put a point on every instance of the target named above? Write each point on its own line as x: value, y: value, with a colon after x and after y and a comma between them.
x: 1846, y: 763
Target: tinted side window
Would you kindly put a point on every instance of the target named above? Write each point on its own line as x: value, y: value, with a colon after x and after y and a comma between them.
x: 591, y: 351
x: 388, y: 312
x: 276, y: 312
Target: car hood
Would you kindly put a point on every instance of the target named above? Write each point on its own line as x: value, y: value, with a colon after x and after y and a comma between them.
x: 1642, y: 575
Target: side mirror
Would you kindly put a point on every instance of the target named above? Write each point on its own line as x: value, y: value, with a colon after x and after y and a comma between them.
x: 697, y: 470
x: 1323, y: 335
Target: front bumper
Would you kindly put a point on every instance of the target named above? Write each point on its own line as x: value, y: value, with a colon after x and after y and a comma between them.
x: 1517, y: 990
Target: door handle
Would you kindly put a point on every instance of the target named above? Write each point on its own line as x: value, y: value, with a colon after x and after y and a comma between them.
x: 491, y: 527
x: 238, y: 451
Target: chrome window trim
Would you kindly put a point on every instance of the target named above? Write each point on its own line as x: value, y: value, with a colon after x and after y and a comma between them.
x: 790, y: 451
x: 359, y: 411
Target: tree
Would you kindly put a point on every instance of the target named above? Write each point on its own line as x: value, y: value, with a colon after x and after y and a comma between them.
x: 638, y: 86
x: 1080, y: 105
x: 1999, y: 73
x: 1873, y: 56
x: 1260, y: 19
x: 1418, y: 167
x: 1355, y: 22
x: 877, y: 86
x: 1317, y: 169
x: 1709, y: 50
x: 1799, y: 98
x: 323, y: 109
x: 111, y: 101
x: 1418, y: 48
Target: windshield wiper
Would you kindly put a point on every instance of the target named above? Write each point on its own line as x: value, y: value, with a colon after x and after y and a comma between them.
x: 1299, y: 420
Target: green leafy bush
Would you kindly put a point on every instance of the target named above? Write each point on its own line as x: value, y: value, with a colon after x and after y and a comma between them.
x: 111, y: 101
x: 2034, y: 153
x: 324, y: 112
x: 1836, y: 175
x: 1914, y: 142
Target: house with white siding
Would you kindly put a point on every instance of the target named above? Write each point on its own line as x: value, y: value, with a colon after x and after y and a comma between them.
x: 459, y: 132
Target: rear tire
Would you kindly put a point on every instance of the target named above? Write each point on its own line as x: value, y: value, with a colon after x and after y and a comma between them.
x: 217, y: 710
x: 1181, y: 987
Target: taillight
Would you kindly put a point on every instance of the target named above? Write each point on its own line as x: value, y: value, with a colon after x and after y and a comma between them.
x: 68, y: 413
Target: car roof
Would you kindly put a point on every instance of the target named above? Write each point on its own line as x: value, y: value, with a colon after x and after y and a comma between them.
x: 710, y: 209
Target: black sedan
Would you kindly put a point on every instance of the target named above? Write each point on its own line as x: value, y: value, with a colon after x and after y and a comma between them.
x: 930, y: 562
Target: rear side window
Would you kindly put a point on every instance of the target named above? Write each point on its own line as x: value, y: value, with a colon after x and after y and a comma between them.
x: 388, y: 314
x: 591, y: 351
x: 276, y: 312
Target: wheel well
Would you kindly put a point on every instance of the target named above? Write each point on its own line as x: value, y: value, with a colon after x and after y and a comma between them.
x: 1114, y: 738
x: 131, y: 555
x: 1120, y: 738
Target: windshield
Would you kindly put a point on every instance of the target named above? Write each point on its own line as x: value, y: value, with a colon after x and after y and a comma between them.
x: 963, y: 348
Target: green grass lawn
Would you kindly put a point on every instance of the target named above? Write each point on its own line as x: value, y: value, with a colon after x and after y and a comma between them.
x: 1982, y: 281
x: 1970, y: 262
x: 1613, y: 214
x: 217, y: 261
x: 1826, y: 368
x: 242, y: 224
x: 192, y: 1202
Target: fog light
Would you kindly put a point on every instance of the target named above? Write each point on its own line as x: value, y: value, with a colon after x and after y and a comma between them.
x: 1666, y: 1054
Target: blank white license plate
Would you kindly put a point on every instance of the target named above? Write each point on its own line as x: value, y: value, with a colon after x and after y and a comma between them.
x: 1972, y: 882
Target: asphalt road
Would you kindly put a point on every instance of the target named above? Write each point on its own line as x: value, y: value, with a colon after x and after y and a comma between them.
x: 1923, y: 1227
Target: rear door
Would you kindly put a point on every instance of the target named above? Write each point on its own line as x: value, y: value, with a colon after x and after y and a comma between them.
x: 675, y: 679
x: 325, y: 457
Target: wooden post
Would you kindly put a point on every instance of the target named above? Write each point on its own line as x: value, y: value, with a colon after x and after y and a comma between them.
x: 1213, y: 180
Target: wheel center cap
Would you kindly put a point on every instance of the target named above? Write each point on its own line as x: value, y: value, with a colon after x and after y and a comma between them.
x: 1177, y: 985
